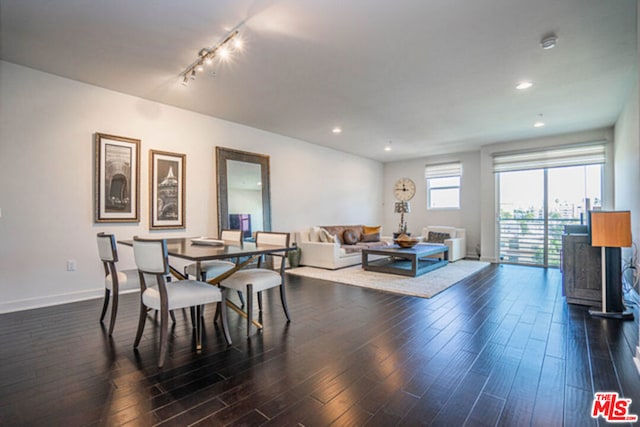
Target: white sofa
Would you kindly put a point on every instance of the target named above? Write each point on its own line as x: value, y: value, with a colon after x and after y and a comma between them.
x: 456, y: 242
x: 331, y: 255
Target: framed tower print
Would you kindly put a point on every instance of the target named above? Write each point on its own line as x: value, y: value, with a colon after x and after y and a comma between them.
x: 167, y: 190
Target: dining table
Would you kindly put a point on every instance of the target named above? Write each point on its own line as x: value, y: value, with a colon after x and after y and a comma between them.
x: 199, y: 249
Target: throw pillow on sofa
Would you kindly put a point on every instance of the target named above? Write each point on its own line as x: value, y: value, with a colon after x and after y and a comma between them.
x: 435, y: 237
x: 314, y: 234
x: 326, y: 237
x: 371, y: 230
x: 350, y: 237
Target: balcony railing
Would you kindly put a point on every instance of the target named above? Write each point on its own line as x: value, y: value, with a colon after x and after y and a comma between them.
x: 522, y: 241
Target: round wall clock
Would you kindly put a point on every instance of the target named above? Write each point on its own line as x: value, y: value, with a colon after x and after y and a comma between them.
x: 404, y: 189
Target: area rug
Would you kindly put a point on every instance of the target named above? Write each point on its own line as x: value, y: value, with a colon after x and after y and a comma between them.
x: 424, y: 286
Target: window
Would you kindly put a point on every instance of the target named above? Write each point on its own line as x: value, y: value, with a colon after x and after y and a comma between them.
x: 443, y: 185
x: 540, y: 192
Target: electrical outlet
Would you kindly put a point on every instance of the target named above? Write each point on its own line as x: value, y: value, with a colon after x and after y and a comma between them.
x: 71, y: 265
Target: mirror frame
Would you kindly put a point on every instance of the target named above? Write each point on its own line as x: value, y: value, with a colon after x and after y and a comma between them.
x: 224, y: 154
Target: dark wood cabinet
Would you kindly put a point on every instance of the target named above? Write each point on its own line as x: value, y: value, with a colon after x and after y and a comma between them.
x: 581, y: 270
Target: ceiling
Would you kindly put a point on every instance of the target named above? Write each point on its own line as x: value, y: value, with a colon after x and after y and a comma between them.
x: 430, y: 77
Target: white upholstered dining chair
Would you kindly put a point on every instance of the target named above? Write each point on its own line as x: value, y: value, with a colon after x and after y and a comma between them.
x: 259, y: 279
x: 114, y: 281
x: 152, y: 261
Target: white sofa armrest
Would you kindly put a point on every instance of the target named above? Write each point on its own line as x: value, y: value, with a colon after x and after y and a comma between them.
x: 457, y: 248
x: 319, y: 254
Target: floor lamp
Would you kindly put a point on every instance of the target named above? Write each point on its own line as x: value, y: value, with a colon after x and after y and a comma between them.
x: 611, y: 231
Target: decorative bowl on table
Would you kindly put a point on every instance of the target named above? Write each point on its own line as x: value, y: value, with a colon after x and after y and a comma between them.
x: 405, y: 241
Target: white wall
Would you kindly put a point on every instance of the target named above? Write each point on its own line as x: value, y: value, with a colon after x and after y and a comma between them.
x: 627, y: 170
x: 47, y: 125
x: 488, y: 190
x: 468, y: 216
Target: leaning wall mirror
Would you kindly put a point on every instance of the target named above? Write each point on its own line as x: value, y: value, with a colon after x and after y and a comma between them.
x: 244, y: 201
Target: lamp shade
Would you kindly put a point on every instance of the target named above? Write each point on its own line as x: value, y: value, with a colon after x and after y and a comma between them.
x: 402, y: 207
x: 610, y: 229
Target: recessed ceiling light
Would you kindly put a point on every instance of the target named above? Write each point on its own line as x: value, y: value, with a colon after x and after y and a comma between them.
x: 538, y: 124
x: 549, y: 41
x: 336, y: 130
x: 524, y: 85
x: 387, y: 148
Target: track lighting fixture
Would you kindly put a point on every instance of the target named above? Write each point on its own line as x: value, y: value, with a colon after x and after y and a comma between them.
x: 206, y: 56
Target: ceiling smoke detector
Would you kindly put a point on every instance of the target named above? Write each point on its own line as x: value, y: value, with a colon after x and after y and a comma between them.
x: 549, y: 41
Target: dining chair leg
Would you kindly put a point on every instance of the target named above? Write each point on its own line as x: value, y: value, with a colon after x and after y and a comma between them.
x: 141, y: 321
x: 164, y: 336
x: 192, y: 313
x: 114, y: 310
x: 105, y: 304
x: 241, y: 298
x: 198, y: 325
x: 283, y: 298
x: 260, y: 301
x: 249, y: 308
x: 222, y: 310
x: 217, y: 315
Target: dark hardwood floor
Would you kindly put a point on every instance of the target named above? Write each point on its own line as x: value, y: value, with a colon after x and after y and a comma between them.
x: 500, y: 348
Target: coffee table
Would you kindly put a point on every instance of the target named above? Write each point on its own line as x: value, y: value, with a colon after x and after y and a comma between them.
x: 406, y: 261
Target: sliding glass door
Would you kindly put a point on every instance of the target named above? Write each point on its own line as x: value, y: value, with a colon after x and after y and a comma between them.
x: 536, y: 204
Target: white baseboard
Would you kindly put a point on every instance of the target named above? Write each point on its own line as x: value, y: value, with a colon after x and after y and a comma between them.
x: 49, y: 300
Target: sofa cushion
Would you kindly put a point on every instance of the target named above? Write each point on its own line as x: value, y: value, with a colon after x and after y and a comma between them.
x: 351, y: 249
x: 435, y: 237
x: 358, y: 247
x: 370, y: 237
x: 378, y: 244
x: 349, y: 237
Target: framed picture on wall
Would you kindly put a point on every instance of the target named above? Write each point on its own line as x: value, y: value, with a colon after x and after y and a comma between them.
x: 117, y: 179
x: 167, y: 190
